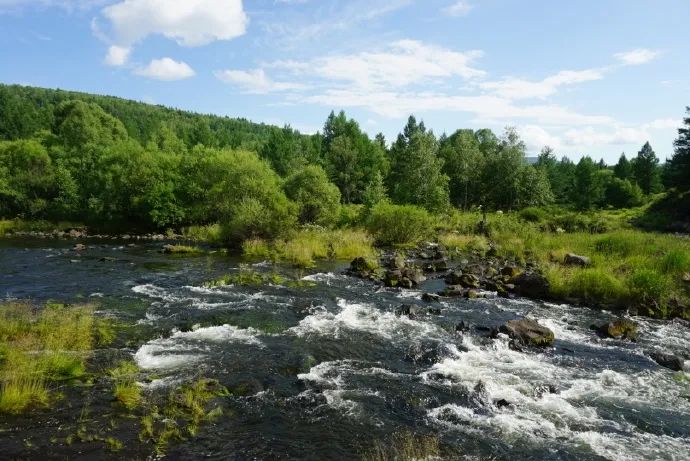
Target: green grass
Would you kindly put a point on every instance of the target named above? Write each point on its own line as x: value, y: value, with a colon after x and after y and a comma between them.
x: 306, y: 247
x: 183, y: 250
x: 246, y: 277
x: 40, y: 346
x: 404, y: 446
x: 210, y: 233
x: 126, y: 390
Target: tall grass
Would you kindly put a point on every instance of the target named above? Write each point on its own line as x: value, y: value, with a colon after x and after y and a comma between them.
x: 404, y: 446
x: 39, y: 346
x: 307, y: 246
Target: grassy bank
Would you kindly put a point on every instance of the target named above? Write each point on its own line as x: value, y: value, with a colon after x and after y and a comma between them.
x: 39, y: 348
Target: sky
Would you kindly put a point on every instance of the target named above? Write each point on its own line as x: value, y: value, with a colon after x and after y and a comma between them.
x: 586, y: 77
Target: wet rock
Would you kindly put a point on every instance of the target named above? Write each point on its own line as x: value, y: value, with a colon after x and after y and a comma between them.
x: 670, y: 361
x: 473, y: 294
x: 510, y: 271
x: 425, y: 353
x: 453, y: 291
x: 528, y: 332
x: 405, y: 278
x: 572, y: 259
x: 167, y: 248
x: 531, y: 285
x: 107, y: 259
x: 462, y: 326
x: 76, y: 233
x: 396, y: 262
x: 412, y: 310
x: 79, y: 247
x: 619, y: 329
x: 542, y: 390
x: 437, y: 265
x: 453, y: 278
x: 363, y: 268
x: 431, y: 297
x: 502, y: 403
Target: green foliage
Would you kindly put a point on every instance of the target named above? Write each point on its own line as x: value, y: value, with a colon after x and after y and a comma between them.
x: 621, y: 193
x: 317, y: 199
x: 677, y: 171
x: 648, y: 286
x: 416, y: 175
x: 645, y: 168
x: 676, y: 261
x: 399, y: 224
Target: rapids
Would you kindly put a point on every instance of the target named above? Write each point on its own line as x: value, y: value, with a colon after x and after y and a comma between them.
x: 327, y: 369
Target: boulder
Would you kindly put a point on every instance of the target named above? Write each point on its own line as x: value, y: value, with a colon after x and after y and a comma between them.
x: 528, y: 332
x: 619, y: 329
x: 362, y: 267
x: 396, y: 262
x: 453, y: 278
x: 510, y: 271
x: 79, y: 247
x: 431, y: 297
x: 453, y: 291
x: 670, y: 361
x: 531, y: 285
x: 412, y: 310
x: 572, y: 259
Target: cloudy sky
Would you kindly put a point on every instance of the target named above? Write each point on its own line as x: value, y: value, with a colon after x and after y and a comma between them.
x: 594, y: 77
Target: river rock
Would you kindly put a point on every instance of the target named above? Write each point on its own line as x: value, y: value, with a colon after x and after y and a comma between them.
x: 453, y: 278
x: 510, y: 271
x: 452, y: 291
x: 531, y: 285
x: 412, y: 310
x: 404, y: 278
x: 363, y: 268
x: 396, y: 262
x: 528, y: 332
x: 619, y: 329
x: 670, y: 361
x: 572, y: 259
x: 79, y: 247
x: 431, y: 297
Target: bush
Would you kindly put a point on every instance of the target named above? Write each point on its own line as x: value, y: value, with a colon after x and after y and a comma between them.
x: 317, y: 199
x: 351, y: 215
x: 621, y: 193
x: 533, y: 214
x: 399, y: 224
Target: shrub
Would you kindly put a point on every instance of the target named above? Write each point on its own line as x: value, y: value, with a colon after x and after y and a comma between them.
x: 621, y: 193
x: 351, y: 215
x: 210, y: 233
x: 317, y: 199
x: 399, y: 224
x: 533, y: 214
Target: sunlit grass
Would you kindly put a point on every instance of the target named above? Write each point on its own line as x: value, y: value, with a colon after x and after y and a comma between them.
x: 308, y: 246
x: 210, y: 233
x: 404, y: 446
x: 39, y: 346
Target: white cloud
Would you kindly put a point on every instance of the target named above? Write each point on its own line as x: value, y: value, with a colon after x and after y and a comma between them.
x: 166, y: 69
x: 255, y: 81
x: 637, y: 57
x: 457, y: 9
x: 117, y: 56
x: 67, y: 5
x: 663, y: 124
x: 513, y: 88
x: 616, y: 135
x: 402, y: 63
x: 536, y: 137
x: 188, y: 22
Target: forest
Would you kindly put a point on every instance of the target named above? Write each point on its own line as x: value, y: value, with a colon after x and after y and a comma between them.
x: 115, y: 164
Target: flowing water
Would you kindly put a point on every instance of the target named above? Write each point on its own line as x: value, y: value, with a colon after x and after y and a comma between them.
x: 328, y: 369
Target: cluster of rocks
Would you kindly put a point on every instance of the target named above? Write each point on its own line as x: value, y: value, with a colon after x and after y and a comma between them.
x: 471, y: 277
x: 82, y: 233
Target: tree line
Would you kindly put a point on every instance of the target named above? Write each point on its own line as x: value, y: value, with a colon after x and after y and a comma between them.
x: 112, y: 163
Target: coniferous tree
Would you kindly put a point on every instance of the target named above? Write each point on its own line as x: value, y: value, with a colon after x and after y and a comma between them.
x: 678, y: 167
x: 645, y: 169
x: 623, y: 169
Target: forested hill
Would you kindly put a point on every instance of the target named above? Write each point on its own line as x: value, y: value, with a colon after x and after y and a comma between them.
x: 26, y: 110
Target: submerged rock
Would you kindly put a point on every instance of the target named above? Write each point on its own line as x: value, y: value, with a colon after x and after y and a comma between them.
x: 670, y: 361
x: 431, y: 297
x: 528, y: 332
x: 619, y: 329
x: 531, y: 285
x: 412, y: 310
x: 572, y: 259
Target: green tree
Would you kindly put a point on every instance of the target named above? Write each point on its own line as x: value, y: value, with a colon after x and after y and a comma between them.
x: 646, y: 170
x: 622, y: 193
x: 678, y: 167
x: 29, y: 181
x: 462, y: 162
x: 317, y: 199
x: 623, y: 169
x: 588, y: 190
x: 534, y: 188
x: 284, y: 151
x: 416, y: 175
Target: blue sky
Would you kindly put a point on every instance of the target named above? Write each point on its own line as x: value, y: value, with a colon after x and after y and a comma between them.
x: 594, y: 77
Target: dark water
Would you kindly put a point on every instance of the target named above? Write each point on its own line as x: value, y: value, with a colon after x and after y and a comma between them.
x: 328, y: 369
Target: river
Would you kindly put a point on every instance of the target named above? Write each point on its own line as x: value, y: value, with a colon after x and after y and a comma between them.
x: 327, y: 369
